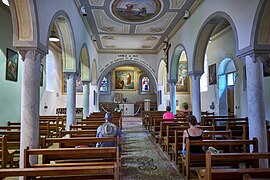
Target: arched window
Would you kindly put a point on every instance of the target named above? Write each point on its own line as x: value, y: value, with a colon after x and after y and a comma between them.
x: 204, y: 77
x: 104, y: 85
x: 145, y: 84
x: 50, y: 71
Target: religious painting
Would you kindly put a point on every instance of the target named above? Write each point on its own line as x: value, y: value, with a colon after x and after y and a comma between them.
x: 212, y: 74
x: 124, y: 80
x: 12, y: 65
x: 266, y: 68
x: 79, y: 85
x: 41, y: 74
x: 136, y: 10
x: 182, y: 85
x: 145, y: 84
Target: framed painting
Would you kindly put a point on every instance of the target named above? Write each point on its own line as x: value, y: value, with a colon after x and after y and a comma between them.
x: 79, y: 85
x: 136, y: 10
x: 124, y: 80
x: 182, y: 85
x: 12, y: 65
x: 266, y: 68
x: 212, y: 74
x: 41, y: 74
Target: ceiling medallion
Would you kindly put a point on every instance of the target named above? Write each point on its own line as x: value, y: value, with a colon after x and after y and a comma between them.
x: 136, y: 10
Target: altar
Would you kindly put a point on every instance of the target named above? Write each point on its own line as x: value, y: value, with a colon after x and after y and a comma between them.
x: 127, y: 109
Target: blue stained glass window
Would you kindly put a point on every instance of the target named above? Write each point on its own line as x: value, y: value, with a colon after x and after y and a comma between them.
x: 104, y: 85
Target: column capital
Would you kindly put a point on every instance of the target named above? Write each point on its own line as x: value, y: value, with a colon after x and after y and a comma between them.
x: 195, y: 74
x: 85, y: 82
x: 172, y: 82
x: 70, y: 75
x: 31, y: 53
x: 259, y: 57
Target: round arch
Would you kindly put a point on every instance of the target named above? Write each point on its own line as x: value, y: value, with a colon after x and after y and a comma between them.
x: 162, y: 72
x: 175, y: 62
x: 65, y: 32
x: 260, y: 37
x: 203, y: 38
x: 85, y: 65
x: 94, y: 72
x: 130, y: 63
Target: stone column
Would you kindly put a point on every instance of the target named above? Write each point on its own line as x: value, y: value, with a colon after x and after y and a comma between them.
x: 85, y: 99
x: 256, y: 101
x: 173, y: 96
x: 30, y: 103
x: 71, y: 99
x: 196, y: 95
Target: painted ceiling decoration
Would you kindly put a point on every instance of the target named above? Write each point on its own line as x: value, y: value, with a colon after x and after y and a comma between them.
x: 136, y: 10
x: 134, y: 26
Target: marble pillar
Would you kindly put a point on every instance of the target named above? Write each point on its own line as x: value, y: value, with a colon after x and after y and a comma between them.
x: 86, y: 91
x: 196, y: 95
x: 71, y: 99
x: 173, y: 96
x: 256, y: 102
x: 30, y: 103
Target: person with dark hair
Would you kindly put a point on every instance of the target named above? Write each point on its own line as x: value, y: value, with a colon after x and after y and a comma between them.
x: 107, y: 129
x: 193, y: 133
x: 168, y: 115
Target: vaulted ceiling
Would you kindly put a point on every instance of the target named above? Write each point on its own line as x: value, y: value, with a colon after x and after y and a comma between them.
x: 135, y: 26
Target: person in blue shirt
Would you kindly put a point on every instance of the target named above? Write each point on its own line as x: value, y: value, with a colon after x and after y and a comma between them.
x: 107, y: 129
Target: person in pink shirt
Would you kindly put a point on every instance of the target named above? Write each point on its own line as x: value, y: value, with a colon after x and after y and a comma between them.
x: 168, y: 115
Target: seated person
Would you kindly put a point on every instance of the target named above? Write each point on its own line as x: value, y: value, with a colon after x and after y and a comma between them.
x: 107, y: 129
x: 193, y: 133
x: 168, y: 115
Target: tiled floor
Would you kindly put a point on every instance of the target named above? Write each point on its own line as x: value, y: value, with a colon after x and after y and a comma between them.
x: 141, y: 157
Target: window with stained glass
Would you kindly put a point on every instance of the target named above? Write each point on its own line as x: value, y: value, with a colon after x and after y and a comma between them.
x: 145, y: 84
x: 104, y: 85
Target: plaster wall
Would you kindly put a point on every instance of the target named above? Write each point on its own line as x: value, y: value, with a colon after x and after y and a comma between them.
x: 10, y: 91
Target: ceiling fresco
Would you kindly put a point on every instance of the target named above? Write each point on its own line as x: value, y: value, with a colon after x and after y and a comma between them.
x: 133, y: 26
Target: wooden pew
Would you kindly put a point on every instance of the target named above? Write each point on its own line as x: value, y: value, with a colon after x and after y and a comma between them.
x: 198, y: 160
x: 78, y: 133
x: 209, y: 120
x: 65, y: 156
x: 6, y: 155
x: 212, y: 172
x: 177, y: 145
x: 73, y: 142
x: 108, y: 171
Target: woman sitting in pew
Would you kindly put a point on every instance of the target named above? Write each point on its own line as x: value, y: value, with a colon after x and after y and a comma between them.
x: 168, y: 115
x: 193, y: 133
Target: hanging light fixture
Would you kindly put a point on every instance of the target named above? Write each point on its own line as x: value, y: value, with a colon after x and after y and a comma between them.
x: 53, y: 37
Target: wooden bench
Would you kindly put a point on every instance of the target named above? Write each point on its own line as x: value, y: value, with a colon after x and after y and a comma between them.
x: 78, y: 133
x: 6, y: 155
x: 65, y: 156
x: 73, y: 142
x: 177, y: 145
x: 106, y: 171
x: 198, y: 160
x: 212, y: 172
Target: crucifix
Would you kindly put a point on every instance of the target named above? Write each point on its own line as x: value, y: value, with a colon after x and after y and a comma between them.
x: 166, y: 52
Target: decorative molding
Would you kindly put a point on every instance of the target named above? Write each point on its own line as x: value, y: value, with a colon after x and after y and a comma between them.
x: 106, y: 24
x: 156, y: 27
x: 177, y: 4
x: 96, y: 2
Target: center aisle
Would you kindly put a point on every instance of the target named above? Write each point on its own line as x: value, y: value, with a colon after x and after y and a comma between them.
x: 141, y: 157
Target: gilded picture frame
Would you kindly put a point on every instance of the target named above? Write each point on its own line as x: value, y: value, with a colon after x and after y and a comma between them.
x: 12, y: 65
x: 124, y: 80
